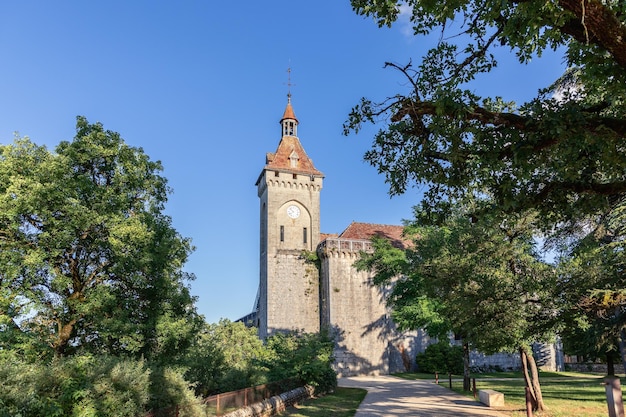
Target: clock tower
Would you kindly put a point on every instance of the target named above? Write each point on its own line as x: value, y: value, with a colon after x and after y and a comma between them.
x: 289, y: 191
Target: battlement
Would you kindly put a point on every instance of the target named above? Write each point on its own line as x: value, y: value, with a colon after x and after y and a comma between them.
x: 347, y: 246
x: 289, y: 180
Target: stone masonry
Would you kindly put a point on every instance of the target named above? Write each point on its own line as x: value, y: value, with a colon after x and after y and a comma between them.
x: 302, y: 293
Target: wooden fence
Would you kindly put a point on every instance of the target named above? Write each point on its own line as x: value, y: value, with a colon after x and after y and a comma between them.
x: 220, y: 404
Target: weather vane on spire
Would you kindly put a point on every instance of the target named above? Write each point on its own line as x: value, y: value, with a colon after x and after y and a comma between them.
x: 289, y: 84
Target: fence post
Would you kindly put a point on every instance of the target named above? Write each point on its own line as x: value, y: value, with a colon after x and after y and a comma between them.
x: 474, y: 387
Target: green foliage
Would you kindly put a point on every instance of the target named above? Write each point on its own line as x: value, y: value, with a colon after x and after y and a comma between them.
x: 168, y: 388
x: 226, y: 357
x: 92, y: 386
x: 441, y: 357
x: 95, y: 311
x: 82, y: 386
x: 592, y: 285
x: 560, y: 153
x: 305, y: 357
x: 88, y: 261
x: 479, y: 278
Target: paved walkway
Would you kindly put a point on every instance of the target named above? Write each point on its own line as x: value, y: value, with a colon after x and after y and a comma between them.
x: 388, y: 396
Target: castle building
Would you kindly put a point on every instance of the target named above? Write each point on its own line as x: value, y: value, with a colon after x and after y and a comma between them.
x: 308, y: 280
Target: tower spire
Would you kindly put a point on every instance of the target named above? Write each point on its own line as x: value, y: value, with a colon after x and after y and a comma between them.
x: 289, y: 123
x: 289, y: 85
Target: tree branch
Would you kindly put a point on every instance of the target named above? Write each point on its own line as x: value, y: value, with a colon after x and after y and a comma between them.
x: 601, y: 27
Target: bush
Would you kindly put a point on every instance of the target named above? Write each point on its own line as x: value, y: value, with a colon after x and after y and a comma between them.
x: 226, y: 357
x: 80, y: 386
x: 168, y: 388
x: 92, y: 386
x: 305, y: 357
x: 441, y: 357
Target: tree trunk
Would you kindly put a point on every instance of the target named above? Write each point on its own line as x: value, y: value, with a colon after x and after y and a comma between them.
x: 527, y: 381
x: 532, y: 380
x: 466, y: 368
x: 61, y: 341
x: 610, y: 365
x: 536, y: 385
x: 622, y: 347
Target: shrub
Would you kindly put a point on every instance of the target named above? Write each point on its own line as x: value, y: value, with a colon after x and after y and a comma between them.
x: 306, y: 357
x: 79, y: 386
x: 441, y: 357
x: 92, y: 386
x: 168, y: 388
x: 226, y: 357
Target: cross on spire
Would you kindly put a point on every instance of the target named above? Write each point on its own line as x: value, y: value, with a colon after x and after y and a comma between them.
x: 289, y: 84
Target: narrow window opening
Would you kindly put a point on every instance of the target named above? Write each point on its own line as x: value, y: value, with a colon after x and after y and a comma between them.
x: 282, y: 233
x: 304, y: 235
x: 295, y: 176
x: 276, y: 174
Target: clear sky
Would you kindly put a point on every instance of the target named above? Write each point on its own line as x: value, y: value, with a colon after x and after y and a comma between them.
x: 201, y: 86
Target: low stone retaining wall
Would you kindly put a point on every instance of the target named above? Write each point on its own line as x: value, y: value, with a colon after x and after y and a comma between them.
x: 274, y: 404
x: 600, y: 368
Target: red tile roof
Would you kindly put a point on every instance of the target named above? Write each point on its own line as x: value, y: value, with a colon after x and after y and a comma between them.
x: 324, y: 236
x: 289, y: 114
x: 366, y: 231
x: 280, y: 159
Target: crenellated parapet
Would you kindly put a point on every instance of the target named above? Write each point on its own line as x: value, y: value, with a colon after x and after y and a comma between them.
x: 289, y: 181
x: 338, y: 247
x: 294, y: 184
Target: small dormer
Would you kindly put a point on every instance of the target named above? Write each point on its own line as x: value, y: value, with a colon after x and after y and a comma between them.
x: 293, y: 159
x: 289, y: 122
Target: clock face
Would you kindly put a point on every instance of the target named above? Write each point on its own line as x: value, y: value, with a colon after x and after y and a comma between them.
x: 293, y: 212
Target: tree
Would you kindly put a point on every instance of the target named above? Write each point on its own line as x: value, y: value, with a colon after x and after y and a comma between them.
x: 303, y: 357
x: 88, y: 260
x: 441, y: 357
x: 562, y: 155
x: 479, y: 278
x: 592, y: 283
x: 226, y: 357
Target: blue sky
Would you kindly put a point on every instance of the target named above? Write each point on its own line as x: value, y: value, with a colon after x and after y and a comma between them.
x: 201, y: 86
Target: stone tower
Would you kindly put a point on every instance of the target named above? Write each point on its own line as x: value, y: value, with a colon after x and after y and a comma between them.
x: 296, y: 294
x: 289, y: 191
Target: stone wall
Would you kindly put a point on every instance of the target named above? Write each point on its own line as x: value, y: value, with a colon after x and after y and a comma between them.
x: 274, y: 405
x: 600, y: 368
x: 292, y: 293
x: 367, y: 341
x: 479, y: 362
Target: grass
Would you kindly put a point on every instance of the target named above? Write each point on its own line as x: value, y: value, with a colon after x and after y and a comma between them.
x: 341, y: 403
x: 565, y: 393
